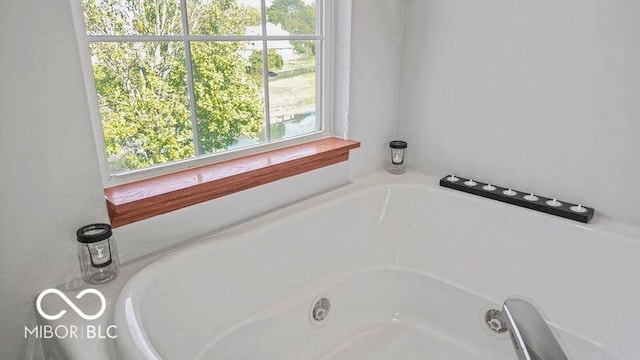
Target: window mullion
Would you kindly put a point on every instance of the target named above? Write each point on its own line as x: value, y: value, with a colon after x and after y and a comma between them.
x: 130, y: 38
x: 190, y: 87
x: 265, y: 72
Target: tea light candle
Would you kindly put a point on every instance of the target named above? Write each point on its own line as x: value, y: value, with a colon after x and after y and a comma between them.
x: 100, y: 255
x: 489, y: 187
x: 578, y: 209
x: 470, y: 183
x: 531, y: 197
x: 554, y: 203
x: 452, y: 178
x: 510, y: 192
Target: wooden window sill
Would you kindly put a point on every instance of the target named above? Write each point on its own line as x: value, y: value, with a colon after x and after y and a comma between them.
x: 143, y: 199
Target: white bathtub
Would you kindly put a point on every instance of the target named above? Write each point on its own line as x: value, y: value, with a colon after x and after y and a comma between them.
x: 409, y: 269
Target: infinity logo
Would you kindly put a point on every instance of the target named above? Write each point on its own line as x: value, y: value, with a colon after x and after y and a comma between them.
x: 71, y: 304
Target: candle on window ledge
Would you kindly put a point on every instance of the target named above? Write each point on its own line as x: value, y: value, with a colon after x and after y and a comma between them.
x: 398, y: 157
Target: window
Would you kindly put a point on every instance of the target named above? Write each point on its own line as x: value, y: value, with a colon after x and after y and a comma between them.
x: 179, y: 80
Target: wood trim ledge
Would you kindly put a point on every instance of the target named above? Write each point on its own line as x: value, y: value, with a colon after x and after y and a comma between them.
x: 143, y: 199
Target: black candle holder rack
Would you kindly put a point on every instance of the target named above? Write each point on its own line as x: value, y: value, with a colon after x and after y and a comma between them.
x: 527, y: 200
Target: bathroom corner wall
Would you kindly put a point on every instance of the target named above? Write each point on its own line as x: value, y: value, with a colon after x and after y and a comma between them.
x: 376, y: 42
x: 543, y: 96
x: 49, y: 178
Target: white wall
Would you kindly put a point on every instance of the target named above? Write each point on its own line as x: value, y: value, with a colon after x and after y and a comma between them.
x: 539, y: 95
x: 375, y: 65
x: 49, y: 179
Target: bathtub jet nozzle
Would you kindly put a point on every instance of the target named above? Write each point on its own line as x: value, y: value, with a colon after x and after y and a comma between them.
x: 320, y: 310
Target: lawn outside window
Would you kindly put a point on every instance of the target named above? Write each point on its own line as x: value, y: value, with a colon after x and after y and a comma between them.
x: 177, y: 84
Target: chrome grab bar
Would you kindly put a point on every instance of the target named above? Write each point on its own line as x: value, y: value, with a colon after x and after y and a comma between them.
x: 532, y: 338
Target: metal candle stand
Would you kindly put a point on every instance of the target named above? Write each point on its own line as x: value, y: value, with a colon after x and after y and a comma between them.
x: 523, y: 199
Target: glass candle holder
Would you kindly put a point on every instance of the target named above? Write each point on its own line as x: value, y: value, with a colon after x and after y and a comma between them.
x: 397, y: 164
x: 97, y: 253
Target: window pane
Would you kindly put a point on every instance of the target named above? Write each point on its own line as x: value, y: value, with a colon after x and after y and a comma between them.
x: 292, y: 91
x: 297, y: 17
x: 143, y: 102
x: 229, y: 94
x: 224, y: 17
x: 126, y: 17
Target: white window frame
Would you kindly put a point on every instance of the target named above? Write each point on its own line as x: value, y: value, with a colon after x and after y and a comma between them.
x: 324, y: 60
